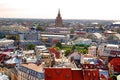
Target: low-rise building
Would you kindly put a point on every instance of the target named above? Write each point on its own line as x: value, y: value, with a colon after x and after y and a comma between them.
x: 14, y: 75
x: 63, y: 30
x: 71, y: 74
x: 104, y: 50
x: 92, y: 50
x: 47, y: 58
x: 31, y: 37
x: 82, y: 41
x: 96, y: 37
x: 51, y: 39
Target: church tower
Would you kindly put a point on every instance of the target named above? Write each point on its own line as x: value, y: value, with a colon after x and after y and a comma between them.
x: 58, y: 21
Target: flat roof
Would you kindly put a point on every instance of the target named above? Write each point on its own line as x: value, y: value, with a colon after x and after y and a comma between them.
x: 112, y: 45
x: 39, y: 46
x: 49, y: 35
x: 28, y: 52
x: 45, y: 54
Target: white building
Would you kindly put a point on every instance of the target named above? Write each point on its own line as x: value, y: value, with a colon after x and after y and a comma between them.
x: 75, y: 56
x: 29, y: 38
x: 112, y: 47
x: 51, y: 38
x: 104, y: 50
x: 63, y: 30
x: 97, y: 37
x: 3, y: 76
x: 83, y: 41
x: 92, y: 50
x: 6, y: 44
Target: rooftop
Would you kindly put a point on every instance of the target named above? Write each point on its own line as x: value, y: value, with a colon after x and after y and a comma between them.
x: 48, y: 35
x: 28, y: 52
x: 116, y: 22
x: 112, y: 45
x: 35, y: 67
x: 98, y: 35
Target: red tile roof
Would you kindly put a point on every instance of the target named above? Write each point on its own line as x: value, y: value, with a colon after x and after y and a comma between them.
x: 116, y: 64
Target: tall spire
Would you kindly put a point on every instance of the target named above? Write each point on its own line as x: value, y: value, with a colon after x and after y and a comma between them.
x: 58, y: 21
x: 59, y: 13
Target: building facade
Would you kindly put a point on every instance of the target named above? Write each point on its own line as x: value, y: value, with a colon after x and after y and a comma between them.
x: 92, y: 50
x: 30, y: 72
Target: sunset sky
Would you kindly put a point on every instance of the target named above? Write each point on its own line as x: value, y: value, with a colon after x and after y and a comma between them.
x: 70, y: 9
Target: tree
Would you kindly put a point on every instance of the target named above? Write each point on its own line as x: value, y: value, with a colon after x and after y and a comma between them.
x: 2, y: 35
x: 39, y: 27
x: 67, y: 51
x: 72, y: 30
x: 84, y: 51
x: 73, y: 47
x: 59, y: 45
x: 113, y: 77
x: 30, y: 46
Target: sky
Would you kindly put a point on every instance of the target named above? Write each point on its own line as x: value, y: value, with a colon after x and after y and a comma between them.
x: 70, y: 9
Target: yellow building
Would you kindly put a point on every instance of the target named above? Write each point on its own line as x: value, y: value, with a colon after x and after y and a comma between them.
x: 12, y: 36
x: 1, y: 69
x: 14, y: 76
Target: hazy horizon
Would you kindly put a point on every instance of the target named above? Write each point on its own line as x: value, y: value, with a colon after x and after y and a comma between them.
x: 70, y: 9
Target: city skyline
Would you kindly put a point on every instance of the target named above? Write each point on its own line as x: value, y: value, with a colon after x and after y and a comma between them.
x: 70, y: 9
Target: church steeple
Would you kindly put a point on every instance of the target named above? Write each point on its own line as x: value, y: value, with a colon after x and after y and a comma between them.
x: 58, y: 21
x: 59, y: 13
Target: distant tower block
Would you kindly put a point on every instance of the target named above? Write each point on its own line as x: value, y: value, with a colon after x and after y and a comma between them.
x: 58, y: 21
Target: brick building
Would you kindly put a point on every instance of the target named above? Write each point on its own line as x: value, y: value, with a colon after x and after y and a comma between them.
x: 58, y: 21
